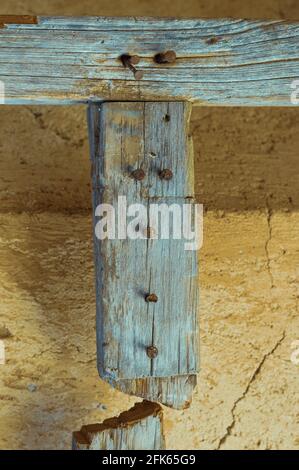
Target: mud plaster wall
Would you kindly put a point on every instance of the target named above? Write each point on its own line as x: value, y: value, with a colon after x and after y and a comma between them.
x: 247, y: 177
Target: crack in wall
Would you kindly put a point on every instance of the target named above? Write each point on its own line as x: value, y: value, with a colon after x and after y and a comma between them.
x: 255, y: 374
x: 38, y: 116
x: 269, y: 214
x: 297, y: 302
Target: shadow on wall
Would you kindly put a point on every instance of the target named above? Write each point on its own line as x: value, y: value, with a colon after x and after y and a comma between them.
x: 187, y: 8
x: 47, y: 303
x: 245, y: 159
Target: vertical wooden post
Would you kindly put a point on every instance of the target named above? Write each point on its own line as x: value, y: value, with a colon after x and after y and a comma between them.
x: 147, y: 346
x: 140, y: 428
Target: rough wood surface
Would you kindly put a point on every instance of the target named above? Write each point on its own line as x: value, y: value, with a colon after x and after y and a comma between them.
x: 126, y: 136
x: 175, y: 392
x: 17, y: 19
x: 140, y: 428
x: 219, y: 62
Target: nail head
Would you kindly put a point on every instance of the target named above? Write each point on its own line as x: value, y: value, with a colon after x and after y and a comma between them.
x: 150, y: 232
x: 138, y: 174
x: 134, y: 59
x: 166, y: 174
x: 151, y: 298
x: 138, y: 74
x: 167, y: 57
x: 152, y: 352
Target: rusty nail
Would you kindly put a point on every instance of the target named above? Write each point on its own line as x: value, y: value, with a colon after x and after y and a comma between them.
x: 138, y: 174
x: 138, y: 74
x: 213, y: 40
x: 166, y: 174
x: 152, y: 352
x: 150, y: 232
x: 134, y: 59
x: 167, y: 57
x: 131, y: 60
x: 151, y: 298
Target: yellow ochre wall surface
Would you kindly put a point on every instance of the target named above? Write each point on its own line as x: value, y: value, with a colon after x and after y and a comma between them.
x: 247, y: 177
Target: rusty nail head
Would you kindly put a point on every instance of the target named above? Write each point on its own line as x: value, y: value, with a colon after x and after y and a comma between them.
x: 152, y: 352
x: 129, y: 61
x: 166, y: 174
x: 138, y: 74
x: 213, y: 40
x: 168, y: 57
x: 151, y: 298
x: 134, y: 59
x: 138, y: 174
x: 150, y: 232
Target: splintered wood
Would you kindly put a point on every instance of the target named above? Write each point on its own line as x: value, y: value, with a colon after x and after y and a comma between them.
x: 146, y: 348
x: 140, y: 428
x: 15, y: 19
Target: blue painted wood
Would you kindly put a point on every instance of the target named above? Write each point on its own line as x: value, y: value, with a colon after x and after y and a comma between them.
x: 175, y: 391
x: 219, y: 62
x: 151, y: 136
x: 140, y: 428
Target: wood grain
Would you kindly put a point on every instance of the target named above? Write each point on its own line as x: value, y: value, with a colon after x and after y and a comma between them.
x: 174, y: 392
x: 140, y: 428
x: 219, y: 62
x: 151, y: 136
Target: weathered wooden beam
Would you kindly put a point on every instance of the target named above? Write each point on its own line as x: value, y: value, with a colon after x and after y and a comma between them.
x: 150, y: 137
x: 175, y: 391
x: 219, y: 62
x: 140, y: 428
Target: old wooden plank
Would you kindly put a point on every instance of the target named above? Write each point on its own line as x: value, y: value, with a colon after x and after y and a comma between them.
x: 151, y: 136
x: 219, y: 62
x: 140, y: 428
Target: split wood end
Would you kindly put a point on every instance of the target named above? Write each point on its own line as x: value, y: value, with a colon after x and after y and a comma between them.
x: 17, y: 19
x: 173, y: 392
x: 140, y: 427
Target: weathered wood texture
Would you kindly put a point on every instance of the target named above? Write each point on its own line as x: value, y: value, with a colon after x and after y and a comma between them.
x: 175, y: 392
x: 140, y: 428
x: 151, y: 136
x: 219, y: 62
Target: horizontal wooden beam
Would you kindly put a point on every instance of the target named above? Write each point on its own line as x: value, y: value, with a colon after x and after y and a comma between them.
x: 48, y: 60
